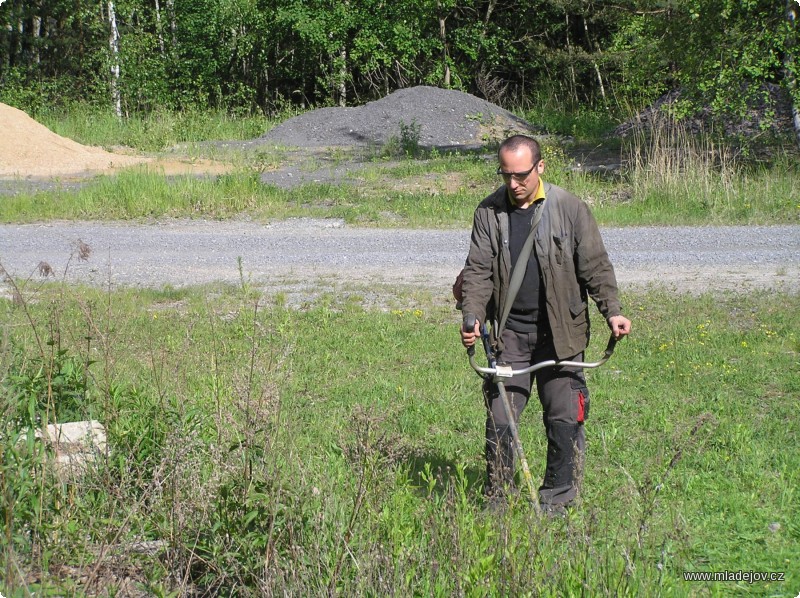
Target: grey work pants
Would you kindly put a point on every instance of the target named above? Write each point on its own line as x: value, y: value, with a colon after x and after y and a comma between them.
x: 565, y: 405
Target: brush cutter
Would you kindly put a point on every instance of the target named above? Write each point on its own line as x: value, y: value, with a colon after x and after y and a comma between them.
x: 498, y: 374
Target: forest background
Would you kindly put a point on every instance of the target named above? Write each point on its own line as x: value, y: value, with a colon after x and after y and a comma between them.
x: 275, y: 57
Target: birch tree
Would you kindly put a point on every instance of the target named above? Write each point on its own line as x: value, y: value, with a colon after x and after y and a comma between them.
x: 160, y: 31
x: 113, y: 43
x: 790, y: 64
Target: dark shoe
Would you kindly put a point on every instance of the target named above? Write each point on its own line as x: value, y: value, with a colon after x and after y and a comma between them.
x: 494, y: 504
x: 554, y: 511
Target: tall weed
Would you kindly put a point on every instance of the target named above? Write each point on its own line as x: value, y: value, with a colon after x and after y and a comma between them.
x: 154, y: 131
x: 677, y: 176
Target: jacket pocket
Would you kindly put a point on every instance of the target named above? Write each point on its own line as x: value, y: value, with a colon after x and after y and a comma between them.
x: 560, y: 245
x: 577, y: 306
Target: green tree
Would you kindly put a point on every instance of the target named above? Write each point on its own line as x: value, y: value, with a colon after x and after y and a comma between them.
x: 723, y: 54
x: 265, y: 54
x: 51, y: 50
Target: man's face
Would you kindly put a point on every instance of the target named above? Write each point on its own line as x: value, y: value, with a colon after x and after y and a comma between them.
x: 521, y: 186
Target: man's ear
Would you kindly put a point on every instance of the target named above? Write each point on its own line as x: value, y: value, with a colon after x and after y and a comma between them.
x: 540, y: 167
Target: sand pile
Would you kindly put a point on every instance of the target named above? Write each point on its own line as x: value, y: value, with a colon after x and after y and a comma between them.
x: 29, y: 149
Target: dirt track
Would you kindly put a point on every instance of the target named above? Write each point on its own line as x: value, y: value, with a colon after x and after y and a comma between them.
x: 304, y: 257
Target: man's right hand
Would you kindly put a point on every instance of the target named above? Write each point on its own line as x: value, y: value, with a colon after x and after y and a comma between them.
x: 468, y: 336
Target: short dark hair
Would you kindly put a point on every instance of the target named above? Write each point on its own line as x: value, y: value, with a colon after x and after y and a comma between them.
x: 515, y: 142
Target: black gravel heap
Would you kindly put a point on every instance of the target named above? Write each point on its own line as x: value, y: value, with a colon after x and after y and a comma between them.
x: 446, y: 119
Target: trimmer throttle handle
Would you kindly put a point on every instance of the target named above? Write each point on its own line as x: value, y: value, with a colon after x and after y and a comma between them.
x: 469, y: 326
x: 469, y: 322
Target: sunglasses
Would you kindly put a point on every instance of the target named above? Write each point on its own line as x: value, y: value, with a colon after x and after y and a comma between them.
x: 517, y: 176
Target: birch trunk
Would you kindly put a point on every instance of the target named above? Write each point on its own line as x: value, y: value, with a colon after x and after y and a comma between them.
x: 20, y: 40
x: 789, y: 65
x: 37, y: 32
x: 173, y: 26
x: 594, y: 62
x: 488, y: 16
x: 159, y: 29
x: 443, y: 37
x: 343, y: 77
x: 113, y: 42
x: 572, y: 77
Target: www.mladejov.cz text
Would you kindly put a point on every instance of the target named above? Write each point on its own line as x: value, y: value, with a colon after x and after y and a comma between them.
x: 740, y: 575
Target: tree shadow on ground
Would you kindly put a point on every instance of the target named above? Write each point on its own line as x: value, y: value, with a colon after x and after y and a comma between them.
x: 445, y: 472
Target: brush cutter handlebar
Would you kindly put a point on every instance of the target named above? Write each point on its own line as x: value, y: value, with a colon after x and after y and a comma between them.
x: 500, y: 371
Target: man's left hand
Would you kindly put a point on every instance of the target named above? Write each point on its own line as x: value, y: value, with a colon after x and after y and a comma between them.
x: 620, y: 326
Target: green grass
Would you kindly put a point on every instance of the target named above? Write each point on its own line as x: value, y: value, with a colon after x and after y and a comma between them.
x: 752, y: 195
x: 154, y: 131
x: 438, y: 191
x: 335, y: 448
x: 139, y: 193
x: 581, y: 123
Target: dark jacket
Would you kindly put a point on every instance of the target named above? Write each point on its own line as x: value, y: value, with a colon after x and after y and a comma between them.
x: 571, y: 255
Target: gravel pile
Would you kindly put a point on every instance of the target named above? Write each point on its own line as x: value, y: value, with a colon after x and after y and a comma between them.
x: 775, y: 113
x: 447, y: 119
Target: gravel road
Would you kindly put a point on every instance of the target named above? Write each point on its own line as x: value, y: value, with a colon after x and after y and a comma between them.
x: 302, y: 257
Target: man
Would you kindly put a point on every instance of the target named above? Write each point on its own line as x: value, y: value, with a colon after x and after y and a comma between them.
x: 549, y: 316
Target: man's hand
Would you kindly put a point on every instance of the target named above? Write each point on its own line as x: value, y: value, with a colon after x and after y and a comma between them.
x: 468, y: 337
x: 620, y: 326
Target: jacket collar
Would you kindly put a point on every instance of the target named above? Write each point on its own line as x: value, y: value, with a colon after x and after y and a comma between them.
x: 499, y: 199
